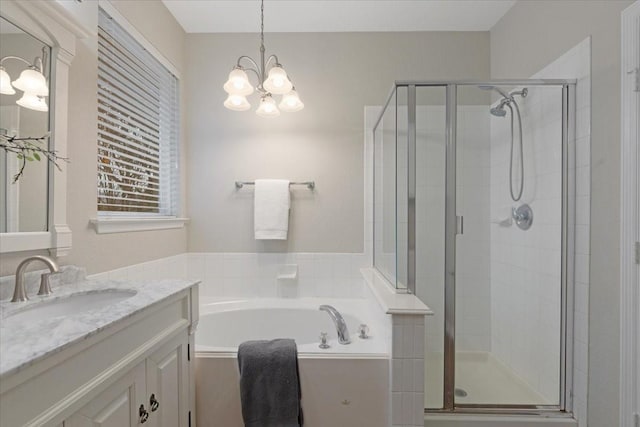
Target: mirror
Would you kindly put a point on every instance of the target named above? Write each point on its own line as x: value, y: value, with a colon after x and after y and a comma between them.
x: 24, y: 114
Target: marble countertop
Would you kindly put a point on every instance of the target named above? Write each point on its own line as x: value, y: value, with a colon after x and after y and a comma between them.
x: 24, y: 343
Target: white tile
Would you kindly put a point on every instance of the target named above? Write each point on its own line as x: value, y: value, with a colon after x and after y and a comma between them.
x: 195, y: 267
x: 396, y: 374
x: 418, y: 339
x: 396, y: 408
x: 213, y: 266
x: 407, y: 408
x: 418, y: 409
x: 407, y: 375
x: 398, y: 342
x: 408, y: 340
x: 418, y: 375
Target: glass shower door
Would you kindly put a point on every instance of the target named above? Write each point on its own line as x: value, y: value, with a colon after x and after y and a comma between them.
x: 508, y: 287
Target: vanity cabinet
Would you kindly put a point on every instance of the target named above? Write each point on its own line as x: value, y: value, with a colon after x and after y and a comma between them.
x: 135, y: 372
x: 154, y: 393
x: 116, y: 406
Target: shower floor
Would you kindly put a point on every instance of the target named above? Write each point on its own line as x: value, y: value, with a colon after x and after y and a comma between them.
x: 483, y: 378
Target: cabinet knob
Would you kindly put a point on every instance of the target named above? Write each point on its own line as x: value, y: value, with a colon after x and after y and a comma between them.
x: 153, y: 403
x: 144, y: 415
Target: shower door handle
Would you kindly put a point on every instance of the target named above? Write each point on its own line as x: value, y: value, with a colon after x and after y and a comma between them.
x: 459, y: 224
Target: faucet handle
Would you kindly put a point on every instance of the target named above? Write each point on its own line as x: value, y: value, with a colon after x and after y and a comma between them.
x: 45, y: 284
x: 363, y: 331
x: 323, y: 341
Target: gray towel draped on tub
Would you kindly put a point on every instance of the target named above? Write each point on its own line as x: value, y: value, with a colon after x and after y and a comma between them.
x: 269, y: 383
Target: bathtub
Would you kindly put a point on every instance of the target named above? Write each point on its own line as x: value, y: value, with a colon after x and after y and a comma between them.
x: 345, y: 385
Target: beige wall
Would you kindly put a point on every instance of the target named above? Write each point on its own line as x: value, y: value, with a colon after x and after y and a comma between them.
x: 107, y: 251
x: 529, y: 36
x: 336, y: 74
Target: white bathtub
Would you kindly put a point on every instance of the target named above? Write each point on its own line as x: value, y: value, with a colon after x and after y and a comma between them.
x: 225, y: 324
x: 345, y: 385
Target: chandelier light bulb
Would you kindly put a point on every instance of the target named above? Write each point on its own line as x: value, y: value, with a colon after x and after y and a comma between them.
x: 277, y: 82
x: 267, y: 107
x: 33, y: 82
x: 291, y: 102
x: 5, y: 83
x: 238, y: 83
x: 237, y: 103
x: 32, y: 102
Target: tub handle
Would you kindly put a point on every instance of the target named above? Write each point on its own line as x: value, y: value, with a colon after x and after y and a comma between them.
x: 323, y: 341
x: 363, y: 331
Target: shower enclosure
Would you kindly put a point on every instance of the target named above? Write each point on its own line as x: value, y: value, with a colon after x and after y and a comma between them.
x: 473, y: 213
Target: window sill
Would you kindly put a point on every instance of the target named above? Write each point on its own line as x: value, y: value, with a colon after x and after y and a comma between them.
x: 126, y: 225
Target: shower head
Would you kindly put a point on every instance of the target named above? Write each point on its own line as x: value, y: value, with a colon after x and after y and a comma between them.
x: 498, y: 111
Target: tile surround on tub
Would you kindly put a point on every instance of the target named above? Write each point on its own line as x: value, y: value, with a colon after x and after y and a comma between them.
x: 255, y: 274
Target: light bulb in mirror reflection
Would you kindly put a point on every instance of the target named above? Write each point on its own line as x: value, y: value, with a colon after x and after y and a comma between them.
x: 5, y: 83
x: 33, y: 82
x: 33, y: 102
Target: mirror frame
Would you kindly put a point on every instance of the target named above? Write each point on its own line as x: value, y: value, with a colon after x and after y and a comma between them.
x: 55, y: 26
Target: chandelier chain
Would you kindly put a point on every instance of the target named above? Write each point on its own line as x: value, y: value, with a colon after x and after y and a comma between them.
x: 262, y: 24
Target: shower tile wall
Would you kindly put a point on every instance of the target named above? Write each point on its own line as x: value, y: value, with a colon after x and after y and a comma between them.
x: 576, y: 64
x: 525, y: 265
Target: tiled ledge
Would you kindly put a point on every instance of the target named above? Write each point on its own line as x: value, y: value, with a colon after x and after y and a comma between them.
x: 392, y: 302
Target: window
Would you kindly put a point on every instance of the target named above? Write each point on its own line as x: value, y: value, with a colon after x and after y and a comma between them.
x: 138, y: 121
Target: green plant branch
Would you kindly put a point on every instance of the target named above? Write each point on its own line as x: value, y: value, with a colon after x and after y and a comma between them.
x: 28, y: 150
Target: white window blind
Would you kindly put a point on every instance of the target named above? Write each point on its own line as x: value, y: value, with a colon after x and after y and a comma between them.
x: 138, y: 119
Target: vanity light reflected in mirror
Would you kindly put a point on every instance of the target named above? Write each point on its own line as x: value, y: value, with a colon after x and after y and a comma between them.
x: 24, y: 113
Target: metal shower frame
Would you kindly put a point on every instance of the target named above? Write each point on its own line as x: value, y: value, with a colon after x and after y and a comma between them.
x: 452, y: 228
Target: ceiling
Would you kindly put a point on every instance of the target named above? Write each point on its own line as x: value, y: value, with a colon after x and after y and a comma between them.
x: 243, y: 16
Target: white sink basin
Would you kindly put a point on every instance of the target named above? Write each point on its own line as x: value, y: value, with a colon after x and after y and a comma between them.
x: 72, y: 304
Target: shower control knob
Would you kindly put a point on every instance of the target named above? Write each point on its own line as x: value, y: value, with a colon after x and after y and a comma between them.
x: 522, y: 216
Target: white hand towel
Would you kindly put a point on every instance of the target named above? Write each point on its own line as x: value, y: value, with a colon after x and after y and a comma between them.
x: 271, y: 209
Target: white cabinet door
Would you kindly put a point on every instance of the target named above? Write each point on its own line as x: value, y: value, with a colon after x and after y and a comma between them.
x: 117, y: 406
x: 168, y: 384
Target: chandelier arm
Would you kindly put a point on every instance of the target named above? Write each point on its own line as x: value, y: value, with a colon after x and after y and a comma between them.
x: 259, y: 86
x: 248, y: 58
x: 272, y: 58
x: 18, y: 58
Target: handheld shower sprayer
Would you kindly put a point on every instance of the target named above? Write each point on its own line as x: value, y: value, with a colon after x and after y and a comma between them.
x: 508, y: 100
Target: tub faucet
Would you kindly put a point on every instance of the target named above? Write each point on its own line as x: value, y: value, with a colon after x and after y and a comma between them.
x: 19, y: 294
x: 338, y: 320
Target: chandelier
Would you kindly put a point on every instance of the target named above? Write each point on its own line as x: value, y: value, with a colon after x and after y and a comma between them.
x: 31, y: 82
x: 272, y: 80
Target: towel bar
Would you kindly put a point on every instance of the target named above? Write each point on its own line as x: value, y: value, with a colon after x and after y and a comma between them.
x: 310, y: 184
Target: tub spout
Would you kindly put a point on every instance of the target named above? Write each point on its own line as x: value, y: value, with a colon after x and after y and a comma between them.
x: 338, y: 320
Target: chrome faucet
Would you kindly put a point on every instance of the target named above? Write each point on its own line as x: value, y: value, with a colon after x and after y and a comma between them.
x: 338, y: 320
x: 19, y: 293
